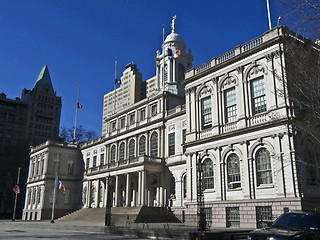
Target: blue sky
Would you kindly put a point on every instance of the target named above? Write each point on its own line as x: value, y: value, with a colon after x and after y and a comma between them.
x: 79, y: 41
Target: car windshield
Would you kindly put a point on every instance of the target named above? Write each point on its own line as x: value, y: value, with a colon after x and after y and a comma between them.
x: 298, y: 221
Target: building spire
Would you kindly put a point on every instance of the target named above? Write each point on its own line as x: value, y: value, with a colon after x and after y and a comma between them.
x: 173, y: 24
x: 44, y: 80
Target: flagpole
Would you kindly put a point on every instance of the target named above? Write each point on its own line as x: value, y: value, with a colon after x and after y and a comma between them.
x: 163, y: 88
x: 54, y: 198
x: 115, y: 86
x: 269, y: 18
x: 15, y: 199
x: 75, y: 122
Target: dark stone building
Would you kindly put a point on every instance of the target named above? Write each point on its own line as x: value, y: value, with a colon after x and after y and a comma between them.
x: 25, y: 122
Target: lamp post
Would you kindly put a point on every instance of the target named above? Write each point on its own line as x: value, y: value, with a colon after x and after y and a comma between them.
x: 202, y: 226
x: 108, y: 203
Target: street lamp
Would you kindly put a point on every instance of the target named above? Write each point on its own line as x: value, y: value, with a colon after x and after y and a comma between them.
x: 108, y: 203
x: 202, y: 226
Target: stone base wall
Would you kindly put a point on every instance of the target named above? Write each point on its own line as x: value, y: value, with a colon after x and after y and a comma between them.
x: 247, y: 210
x: 44, y: 214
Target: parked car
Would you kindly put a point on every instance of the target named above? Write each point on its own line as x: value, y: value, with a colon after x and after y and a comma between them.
x: 292, y: 225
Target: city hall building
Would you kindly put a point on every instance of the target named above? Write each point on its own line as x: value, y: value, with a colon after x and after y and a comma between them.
x: 225, y: 120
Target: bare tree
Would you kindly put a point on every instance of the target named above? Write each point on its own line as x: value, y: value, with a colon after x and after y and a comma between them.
x: 302, y: 16
x: 82, y: 135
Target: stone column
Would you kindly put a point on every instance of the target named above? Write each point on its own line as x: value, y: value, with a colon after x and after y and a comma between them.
x: 134, y: 203
x: 147, y: 143
x: 174, y: 72
x: 97, y: 194
x: 139, y: 188
x: 107, y: 155
x: 117, y: 191
x: 42, y: 196
x: 161, y: 197
x: 143, y: 187
x: 158, y: 197
x: 89, y: 194
x: 105, y: 199
x: 128, y: 199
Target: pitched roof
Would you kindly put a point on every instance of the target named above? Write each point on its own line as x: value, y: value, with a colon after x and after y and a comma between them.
x: 44, y: 81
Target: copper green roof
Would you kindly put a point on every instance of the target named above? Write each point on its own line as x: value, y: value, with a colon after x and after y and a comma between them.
x: 44, y: 81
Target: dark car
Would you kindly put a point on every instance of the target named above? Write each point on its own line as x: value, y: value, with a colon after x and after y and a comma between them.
x: 292, y: 225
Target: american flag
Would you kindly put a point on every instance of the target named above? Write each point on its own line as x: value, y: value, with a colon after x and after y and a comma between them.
x: 79, y: 106
x: 16, y: 189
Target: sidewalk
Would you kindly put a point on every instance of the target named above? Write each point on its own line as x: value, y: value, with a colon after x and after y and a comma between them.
x: 150, y: 231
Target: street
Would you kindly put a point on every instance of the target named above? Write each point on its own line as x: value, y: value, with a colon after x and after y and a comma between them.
x: 21, y: 232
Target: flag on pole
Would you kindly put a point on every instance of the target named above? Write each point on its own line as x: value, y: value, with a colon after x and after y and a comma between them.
x: 16, y: 189
x: 79, y: 106
x: 60, y: 185
x: 117, y: 81
x: 178, y: 53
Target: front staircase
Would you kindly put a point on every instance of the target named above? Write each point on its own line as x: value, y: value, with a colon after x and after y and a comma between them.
x: 123, y: 215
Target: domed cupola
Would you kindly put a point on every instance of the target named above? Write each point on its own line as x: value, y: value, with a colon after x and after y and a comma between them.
x: 173, y: 62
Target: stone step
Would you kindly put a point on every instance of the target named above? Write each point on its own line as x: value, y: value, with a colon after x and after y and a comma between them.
x: 121, y: 216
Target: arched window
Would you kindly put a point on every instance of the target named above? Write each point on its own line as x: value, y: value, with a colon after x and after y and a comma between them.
x: 132, y: 145
x: 233, y: 171
x: 312, y: 167
x: 154, y: 145
x: 113, y: 154
x: 121, y: 151
x: 142, y: 146
x: 263, y: 165
x: 184, y: 185
x: 165, y: 72
x: 208, y: 180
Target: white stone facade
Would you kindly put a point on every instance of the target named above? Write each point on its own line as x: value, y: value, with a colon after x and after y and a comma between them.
x: 47, y: 160
x: 224, y: 119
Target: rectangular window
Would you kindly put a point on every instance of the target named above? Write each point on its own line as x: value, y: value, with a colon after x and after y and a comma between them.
x: 264, y: 216
x: 122, y: 122
x: 142, y: 114
x: 184, y: 137
x: 230, y: 105
x: 94, y: 164
x: 233, y: 217
x: 113, y: 126
x: 171, y: 144
x: 67, y: 198
x: 208, y: 213
x: 154, y: 110
x: 70, y: 168
x: 87, y: 163
x: 39, y: 196
x: 132, y: 119
x: 206, y: 111
x: 258, y: 96
x: 102, y: 159
x: 42, y: 167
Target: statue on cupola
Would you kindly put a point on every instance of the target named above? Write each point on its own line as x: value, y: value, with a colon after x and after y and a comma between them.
x: 173, y: 62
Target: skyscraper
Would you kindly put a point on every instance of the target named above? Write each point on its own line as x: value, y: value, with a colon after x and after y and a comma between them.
x: 44, y: 110
x: 33, y: 119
